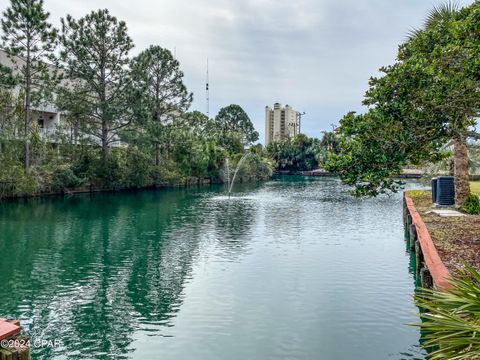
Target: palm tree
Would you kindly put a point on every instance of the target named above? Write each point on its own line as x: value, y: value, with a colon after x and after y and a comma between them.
x: 451, y: 319
x: 439, y: 13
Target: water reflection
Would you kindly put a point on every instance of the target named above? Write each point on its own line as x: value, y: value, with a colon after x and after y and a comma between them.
x: 231, y: 224
x: 92, y: 270
x: 289, y: 269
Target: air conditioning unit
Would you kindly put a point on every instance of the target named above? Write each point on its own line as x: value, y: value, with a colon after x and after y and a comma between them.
x: 445, y: 194
x: 434, y: 189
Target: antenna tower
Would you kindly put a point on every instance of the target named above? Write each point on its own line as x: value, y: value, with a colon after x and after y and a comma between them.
x: 207, y: 93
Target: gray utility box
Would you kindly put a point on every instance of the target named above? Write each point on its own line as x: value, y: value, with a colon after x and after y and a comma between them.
x: 434, y: 189
x: 443, y: 191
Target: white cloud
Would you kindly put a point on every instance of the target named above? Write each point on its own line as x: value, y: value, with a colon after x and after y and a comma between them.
x: 316, y: 55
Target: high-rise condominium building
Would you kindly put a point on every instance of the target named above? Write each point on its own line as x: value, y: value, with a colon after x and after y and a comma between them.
x: 280, y: 122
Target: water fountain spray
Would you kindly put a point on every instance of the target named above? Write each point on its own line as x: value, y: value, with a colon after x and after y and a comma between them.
x: 230, y: 184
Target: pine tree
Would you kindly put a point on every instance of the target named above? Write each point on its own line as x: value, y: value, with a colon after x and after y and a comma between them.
x: 163, y: 95
x: 7, y: 78
x: 94, y: 58
x: 233, y: 118
x: 29, y: 41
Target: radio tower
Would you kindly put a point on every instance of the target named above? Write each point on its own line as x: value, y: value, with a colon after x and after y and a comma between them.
x: 207, y: 93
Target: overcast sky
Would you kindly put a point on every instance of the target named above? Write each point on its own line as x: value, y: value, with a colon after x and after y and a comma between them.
x: 316, y: 55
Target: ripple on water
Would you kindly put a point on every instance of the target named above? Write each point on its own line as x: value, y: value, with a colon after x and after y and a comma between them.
x: 283, y: 270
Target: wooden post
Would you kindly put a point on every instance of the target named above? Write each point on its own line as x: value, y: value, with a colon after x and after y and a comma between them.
x: 418, y: 258
x: 413, y: 235
x: 15, y: 353
x: 425, y: 278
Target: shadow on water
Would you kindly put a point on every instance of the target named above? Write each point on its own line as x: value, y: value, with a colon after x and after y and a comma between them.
x: 90, y: 270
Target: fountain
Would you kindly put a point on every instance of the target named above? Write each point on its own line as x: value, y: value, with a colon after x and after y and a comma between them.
x: 227, y: 173
x: 239, y: 164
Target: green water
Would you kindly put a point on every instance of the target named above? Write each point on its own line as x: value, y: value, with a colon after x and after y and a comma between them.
x: 289, y: 269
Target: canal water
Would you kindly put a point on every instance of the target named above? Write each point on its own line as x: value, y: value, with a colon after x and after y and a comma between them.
x: 289, y: 269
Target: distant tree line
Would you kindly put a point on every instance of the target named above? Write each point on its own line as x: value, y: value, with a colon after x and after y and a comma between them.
x: 302, y: 153
x: 125, y: 120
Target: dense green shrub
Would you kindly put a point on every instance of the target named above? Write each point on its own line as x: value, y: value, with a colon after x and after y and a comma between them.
x: 471, y: 205
x: 108, y: 170
x: 64, y: 178
x: 85, y: 163
x: 13, y: 179
x: 167, y: 173
x: 137, y: 171
x: 297, y: 154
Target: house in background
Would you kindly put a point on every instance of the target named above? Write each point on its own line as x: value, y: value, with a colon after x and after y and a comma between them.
x: 46, y: 116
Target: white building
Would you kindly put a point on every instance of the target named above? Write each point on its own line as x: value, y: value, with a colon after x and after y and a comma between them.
x: 45, y: 116
x: 280, y: 122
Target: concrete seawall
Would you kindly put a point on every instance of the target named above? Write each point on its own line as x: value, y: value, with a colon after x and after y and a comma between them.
x: 429, y: 266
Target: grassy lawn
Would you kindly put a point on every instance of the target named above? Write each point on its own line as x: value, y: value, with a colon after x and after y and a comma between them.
x: 475, y: 187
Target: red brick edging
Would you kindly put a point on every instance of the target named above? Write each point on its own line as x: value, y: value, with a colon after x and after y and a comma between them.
x: 436, y: 267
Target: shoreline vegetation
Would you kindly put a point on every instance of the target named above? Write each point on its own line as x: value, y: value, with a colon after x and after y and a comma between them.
x: 423, y: 111
x: 77, y: 116
x: 449, y: 309
x: 124, y: 122
x: 186, y: 183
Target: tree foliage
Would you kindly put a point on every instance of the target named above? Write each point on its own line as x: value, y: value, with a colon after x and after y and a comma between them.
x: 426, y: 99
x: 233, y: 119
x: 94, y: 57
x: 295, y: 154
x: 29, y: 40
x: 161, y: 95
x: 11, y: 115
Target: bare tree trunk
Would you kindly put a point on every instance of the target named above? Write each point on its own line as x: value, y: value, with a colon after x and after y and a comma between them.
x: 105, y: 147
x: 27, y: 110
x: 157, y: 117
x: 105, y: 119
x: 461, y: 173
x: 27, y: 121
x: 157, y: 154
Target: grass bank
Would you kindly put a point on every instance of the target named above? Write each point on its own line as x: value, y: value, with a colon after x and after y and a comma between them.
x: 475, y: 187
